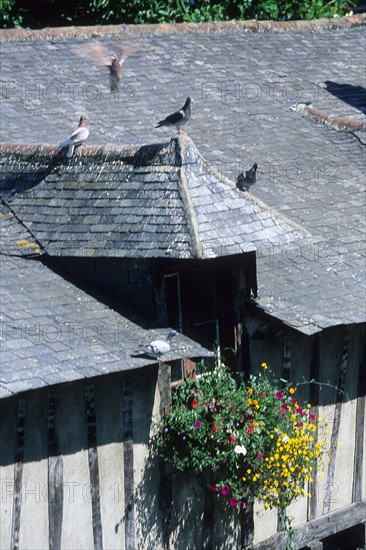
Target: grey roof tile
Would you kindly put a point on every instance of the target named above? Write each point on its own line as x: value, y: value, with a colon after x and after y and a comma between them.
x: 310, y: 173
x: 156, y: 208
x: 69, y: 337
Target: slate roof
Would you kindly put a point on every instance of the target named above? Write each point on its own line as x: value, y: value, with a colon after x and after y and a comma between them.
x: 243, y: 84
x: 52, y: 332
x: 151, y: 201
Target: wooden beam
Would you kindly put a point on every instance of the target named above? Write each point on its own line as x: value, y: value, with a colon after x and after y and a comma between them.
x: 55, y: 475
x: 128, y: 464
x: 91, y: 423
x: 319, y: 528
x: 358, y: 481
x: 18, y: 474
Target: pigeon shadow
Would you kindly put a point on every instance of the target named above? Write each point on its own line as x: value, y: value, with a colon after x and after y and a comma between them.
x: 353, y: 95
x: 147, y: 154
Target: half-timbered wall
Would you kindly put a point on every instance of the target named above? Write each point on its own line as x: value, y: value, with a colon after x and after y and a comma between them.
x: 76, y: 471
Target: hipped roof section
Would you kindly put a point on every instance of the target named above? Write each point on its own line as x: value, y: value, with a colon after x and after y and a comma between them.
x: 153, y: 201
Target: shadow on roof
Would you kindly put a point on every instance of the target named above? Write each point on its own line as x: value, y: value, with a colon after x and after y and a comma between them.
x: 353, y: 95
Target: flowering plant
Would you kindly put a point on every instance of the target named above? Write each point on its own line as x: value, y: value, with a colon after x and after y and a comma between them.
x: 255, y: 439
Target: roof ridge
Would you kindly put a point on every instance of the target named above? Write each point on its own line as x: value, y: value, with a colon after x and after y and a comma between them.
x: 209, y: 168
x: 181, y: 144
x: 250, y: 25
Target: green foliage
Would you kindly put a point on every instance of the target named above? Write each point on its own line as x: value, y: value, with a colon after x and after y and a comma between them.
x: 9, y: 16
x: 41, y: 13
x: 253, y: 440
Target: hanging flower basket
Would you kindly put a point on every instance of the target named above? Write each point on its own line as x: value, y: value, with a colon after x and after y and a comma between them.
x: 253, y: 437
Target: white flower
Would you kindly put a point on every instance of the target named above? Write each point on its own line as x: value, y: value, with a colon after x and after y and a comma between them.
x: 240, y: 450
x: 285, y: 439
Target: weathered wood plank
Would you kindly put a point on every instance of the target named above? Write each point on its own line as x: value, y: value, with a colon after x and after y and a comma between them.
x: 319, y: 528
x: 336, y: 422
x: 165, y: 497
x: 127, y: 435
x: 93, y: 466
x: 55, y: 476
x: 358, y: 481
x: 18, y: 474
x: 246, y: 526
x: 164, y: 387
x: 208, y: 520
x: 314, y: 399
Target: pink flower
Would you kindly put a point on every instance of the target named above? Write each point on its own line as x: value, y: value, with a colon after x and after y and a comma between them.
x: 260, y: 455
x: 244, y: 505
x: 300, y: 424
x: 225, y: 490
x: 234, y: 501
x: 261, y: 394
x: 282, y: 415
x: 284, y: 407
x: 279, y: 395
x: 197, y: 424
x: 312, y: 416
x: 299, y: 410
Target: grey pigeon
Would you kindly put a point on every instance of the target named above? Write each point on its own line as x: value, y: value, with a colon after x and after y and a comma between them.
x: 156, y: 348
x: 178, y: 118
x: 76, y: 138
x: 245, y: 182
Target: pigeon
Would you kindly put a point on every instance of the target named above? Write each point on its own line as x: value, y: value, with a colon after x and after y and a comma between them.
x: 96, y: 52
x: 178, y: 118
x: 157, y: 348
x: 76, y: 137
x: 245, y: 182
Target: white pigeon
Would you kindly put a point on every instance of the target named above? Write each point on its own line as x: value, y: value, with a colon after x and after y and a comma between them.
x: 157, y: 348
x: 76, y: 138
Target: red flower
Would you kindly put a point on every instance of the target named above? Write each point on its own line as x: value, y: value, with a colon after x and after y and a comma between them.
x: 214, y: 488
x: 312, y: 416
x: 261, y: 394
x: 232, y: 438
x: 293, y: 399
x: 194, y: 403
x: 250, y: 428
x: 214, y: 428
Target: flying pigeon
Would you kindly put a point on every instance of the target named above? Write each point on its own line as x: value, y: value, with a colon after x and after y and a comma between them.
x: 245, y: 182
x: 178, y: 118
x: 96, y: 52
x: 76, y: 137
x: 157, y: 348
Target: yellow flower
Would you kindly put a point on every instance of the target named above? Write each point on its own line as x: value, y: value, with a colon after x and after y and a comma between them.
x: 264, y: 365
x: 250, y: 391
x: 249, y: 471
x: 291, y: 391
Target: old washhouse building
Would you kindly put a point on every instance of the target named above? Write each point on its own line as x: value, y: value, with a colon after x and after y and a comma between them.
x: 98, y: 252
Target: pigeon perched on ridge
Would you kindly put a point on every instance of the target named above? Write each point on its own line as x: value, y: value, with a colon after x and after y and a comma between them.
x: 157, y: 348
x: 245, y: 182
x: 76, y: 138
x: 178, y: 118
